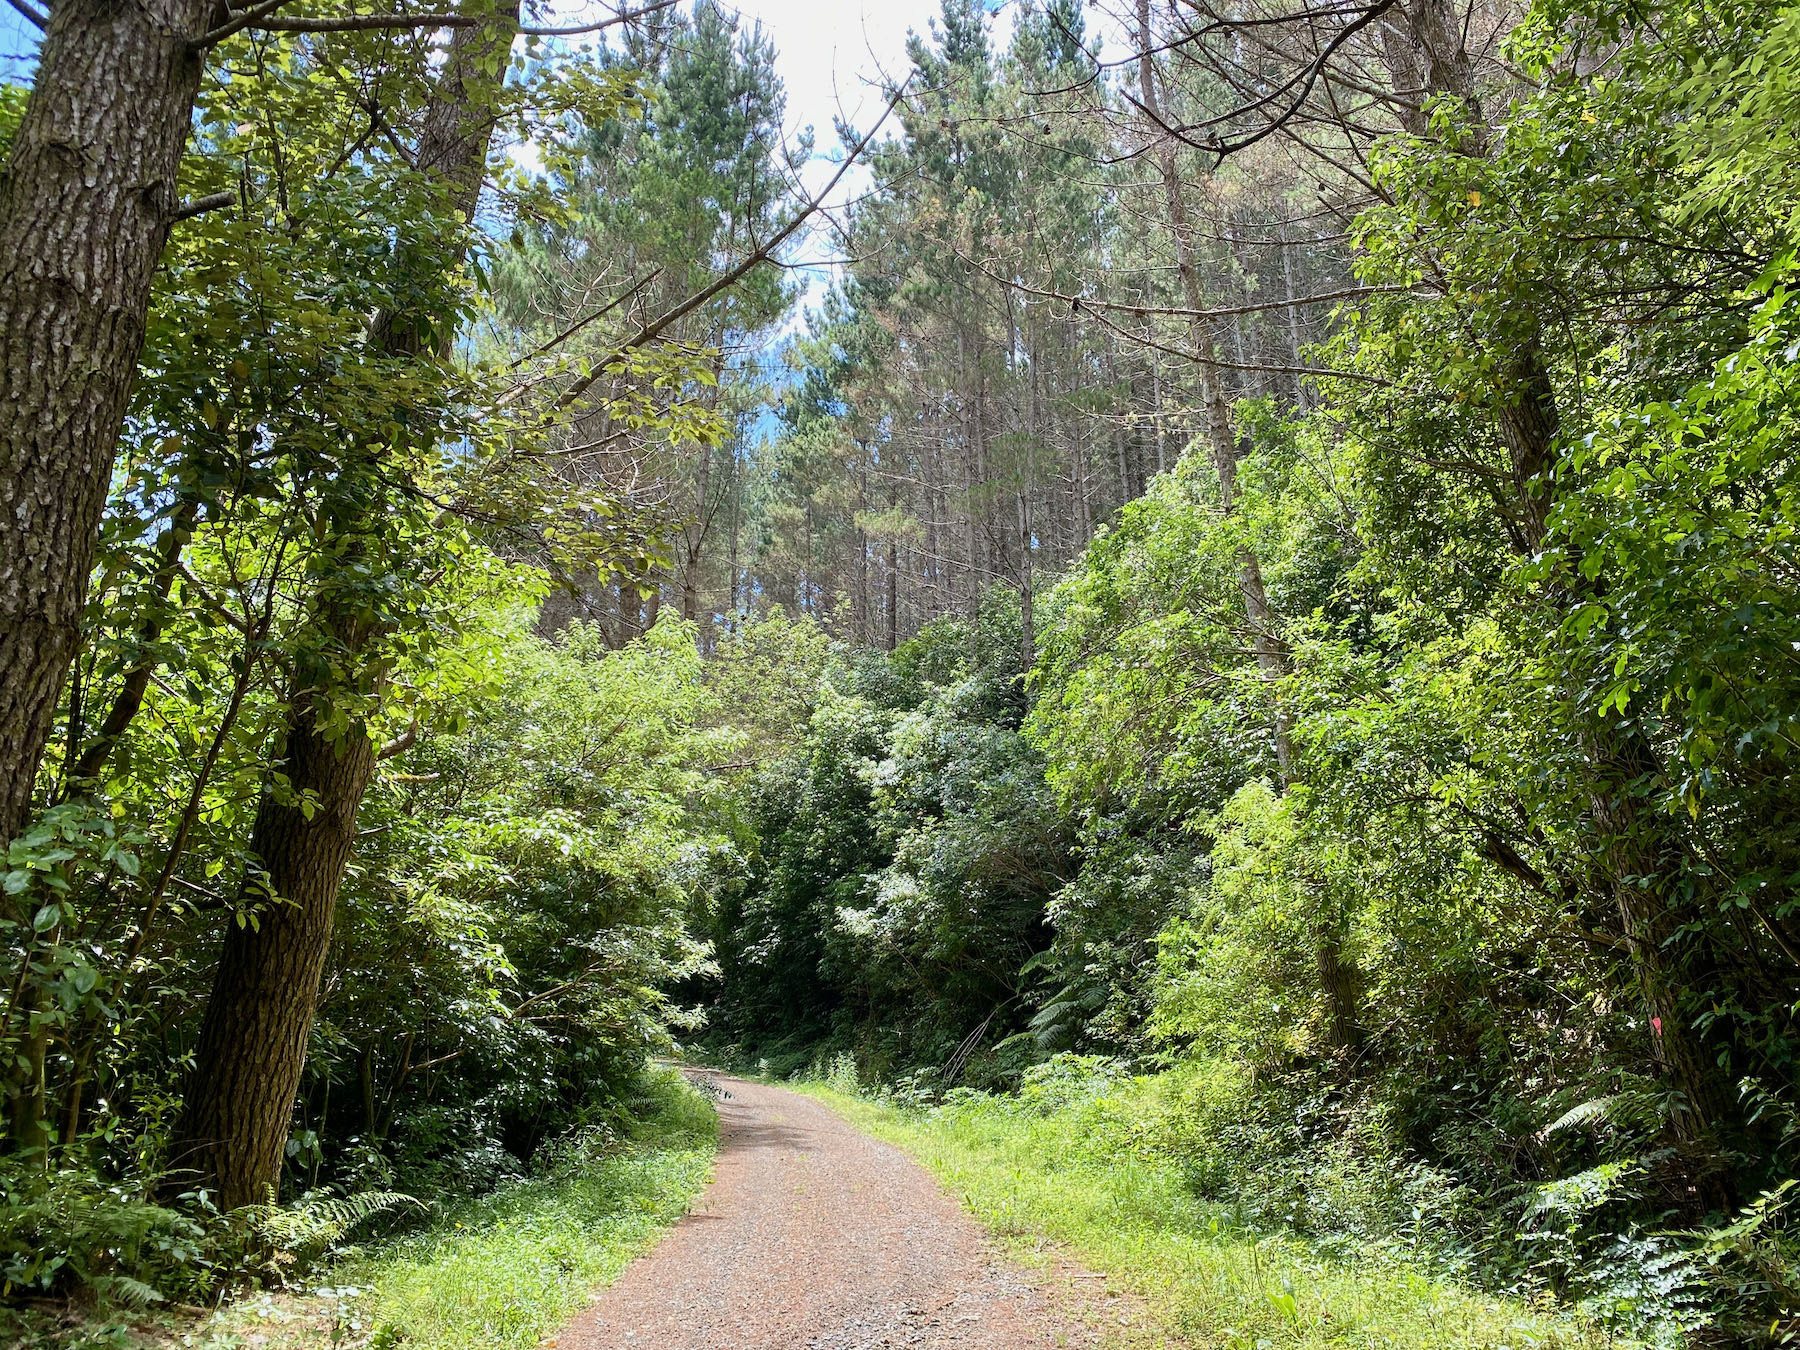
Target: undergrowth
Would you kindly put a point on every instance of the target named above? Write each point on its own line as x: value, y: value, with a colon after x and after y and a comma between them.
x: 502, y: 1272
x: 496, y: 1272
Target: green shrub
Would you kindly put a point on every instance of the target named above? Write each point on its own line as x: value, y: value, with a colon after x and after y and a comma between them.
x: 68, y: 1229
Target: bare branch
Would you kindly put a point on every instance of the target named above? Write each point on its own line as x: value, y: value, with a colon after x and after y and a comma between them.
x: 1306, y: 80
x: 580, y: 324
x: 35, y: 15
x: 362, y: 23
x: 627, y: 17
x: 260, y: 18
x: 1149, y: 343
x: 213, y: 201
x: 1080, y: 302
x: 657, y: 326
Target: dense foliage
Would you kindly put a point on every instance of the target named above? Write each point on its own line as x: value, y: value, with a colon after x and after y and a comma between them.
x: 1258, y: 617
x: 1419, y: 751
x: 346, y: 875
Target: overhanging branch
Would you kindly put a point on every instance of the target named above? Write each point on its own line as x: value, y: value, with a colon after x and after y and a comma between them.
x: 213, y: 201
x: 31, y: 12
x: 263, y: 19
x: 661, y: 324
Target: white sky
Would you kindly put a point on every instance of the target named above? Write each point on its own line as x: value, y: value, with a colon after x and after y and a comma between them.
x: 834, y: 59
x: 831, y: 55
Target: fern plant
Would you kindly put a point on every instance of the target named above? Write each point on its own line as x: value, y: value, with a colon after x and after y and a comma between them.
x: 298, y: 1235
x: 68, y: 1229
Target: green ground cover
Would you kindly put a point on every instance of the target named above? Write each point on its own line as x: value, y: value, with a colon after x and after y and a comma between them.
x: 503, y: 1271
x: 1030, y: 1175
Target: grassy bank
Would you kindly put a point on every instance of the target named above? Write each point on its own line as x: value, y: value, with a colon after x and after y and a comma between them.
x: 1029, y: 1176
x: 504, y: 1271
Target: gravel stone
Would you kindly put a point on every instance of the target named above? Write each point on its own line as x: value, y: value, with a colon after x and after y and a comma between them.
x: 813, y: 1235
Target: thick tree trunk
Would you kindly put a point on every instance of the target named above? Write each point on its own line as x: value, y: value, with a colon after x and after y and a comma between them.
x: 253, y: 1040
x: 86, y: 203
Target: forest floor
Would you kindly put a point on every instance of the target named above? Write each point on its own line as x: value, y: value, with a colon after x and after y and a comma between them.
x: 832, y: 1222
x: 505, y: 1270
x: 815, y: 1235
x: 500, y: 1271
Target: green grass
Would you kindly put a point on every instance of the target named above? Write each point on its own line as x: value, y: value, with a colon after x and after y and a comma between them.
x: 1030, y: 1177
x: 505, y: 1272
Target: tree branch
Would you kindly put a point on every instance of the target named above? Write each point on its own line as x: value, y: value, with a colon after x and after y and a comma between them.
x: 362, y: 23
x: 137, y: 680
x: 400, y: 744
x: 596, y: 27
x: 32, y: 13
x: 1079, y: 302
x: 260, y: 19
x: 1306, y: 79
x: 580, y: 324
x: 236, y: 23
x: 657, y: 326
x: 1142, y: 340
x: 201, y: 205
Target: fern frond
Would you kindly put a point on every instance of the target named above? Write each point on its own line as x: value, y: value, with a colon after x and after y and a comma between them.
x: 1599, y: 1109
x: 318, y: 1221
x: 125, y: 1291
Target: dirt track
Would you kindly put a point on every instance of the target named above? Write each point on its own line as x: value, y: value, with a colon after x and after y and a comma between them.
x: 812, y: 1235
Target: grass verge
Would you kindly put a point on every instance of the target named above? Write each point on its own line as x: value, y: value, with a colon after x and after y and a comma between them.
x: 1029, y: 1176
x: 504, y: 1271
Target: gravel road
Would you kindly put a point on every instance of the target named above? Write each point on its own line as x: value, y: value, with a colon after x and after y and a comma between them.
x: 813, y: 1235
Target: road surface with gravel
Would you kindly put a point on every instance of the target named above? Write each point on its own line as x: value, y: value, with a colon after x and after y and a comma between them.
x: 815, y: 1236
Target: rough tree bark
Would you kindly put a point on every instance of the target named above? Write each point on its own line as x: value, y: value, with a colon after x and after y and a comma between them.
x: 86, y: 202
x: 252, y: 1045
x: 893, y: 595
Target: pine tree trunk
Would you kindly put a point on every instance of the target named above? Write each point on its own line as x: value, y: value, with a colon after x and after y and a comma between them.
x: 86, y: 203
x: 893, y: 595
x: 1293, y: 320
x: 1339, y: 980
x: 1271, y: 658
